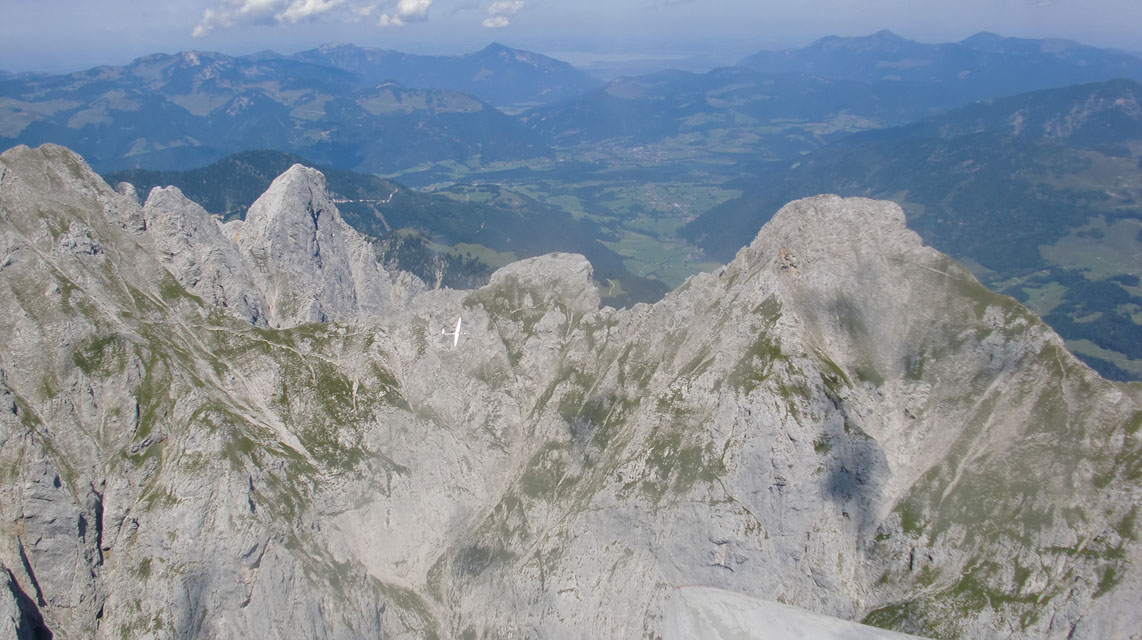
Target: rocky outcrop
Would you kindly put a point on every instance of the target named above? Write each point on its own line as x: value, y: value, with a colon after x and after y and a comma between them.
x: 312, y: 266
x: 20, y: 619
x: 841, y: 419
x: 193, y: 247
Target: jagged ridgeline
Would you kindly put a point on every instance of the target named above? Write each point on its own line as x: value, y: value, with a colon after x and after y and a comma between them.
x: 252, y: 429
x: 442, y: 240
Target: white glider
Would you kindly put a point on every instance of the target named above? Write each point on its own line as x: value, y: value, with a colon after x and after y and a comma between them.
x: 455, y: 334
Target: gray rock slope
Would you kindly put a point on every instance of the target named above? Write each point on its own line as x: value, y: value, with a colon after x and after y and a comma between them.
x: 704, y: 613
x: 310, y: 264
x: 204, y: 259
x: 293, y: 259
x: 841, y: 419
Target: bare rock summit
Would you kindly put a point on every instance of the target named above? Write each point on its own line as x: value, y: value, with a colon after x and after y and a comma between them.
x: 311, y: 265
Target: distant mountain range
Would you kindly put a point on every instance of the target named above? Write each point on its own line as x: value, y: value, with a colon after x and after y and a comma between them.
x: 982, y: 66
x: 783, y: 112
x: 385, y: 111
x: 178, y: 111
x: 1033, y: 190
x: 867, y: 82
x: 498, y: 75
x: 1100, y: 116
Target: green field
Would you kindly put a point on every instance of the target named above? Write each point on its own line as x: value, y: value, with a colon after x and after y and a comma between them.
x: 638, y: 196
x: 1101, y: 248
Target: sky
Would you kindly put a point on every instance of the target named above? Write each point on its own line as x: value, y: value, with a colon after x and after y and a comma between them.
x: 69, y: 35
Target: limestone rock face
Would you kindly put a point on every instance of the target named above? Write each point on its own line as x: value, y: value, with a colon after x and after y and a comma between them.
x: 312, y: 266
x: 702, y: 613
x: 193, y: 247
x: 841, y: 419
x: 559, y: 278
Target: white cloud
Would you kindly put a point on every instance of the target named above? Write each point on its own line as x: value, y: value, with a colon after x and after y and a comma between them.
x: 302, y: 9
x: 227, y: 14
x: 505, y: 7
x: 363, y: 12
x: 206, y: 25
x: 500, y: 13
x: 407, y: 11
x: 236, y: 12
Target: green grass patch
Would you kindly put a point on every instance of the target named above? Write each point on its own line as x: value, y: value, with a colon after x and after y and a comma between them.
x: 101, y: 356
x: 1100, y: 247
x: 547, y: 476
x: 491, y: 257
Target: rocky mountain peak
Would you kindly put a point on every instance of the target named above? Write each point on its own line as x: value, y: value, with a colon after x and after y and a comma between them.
x: 295, y: 198
x: 564, y: 278
x: 310, y: 264
x: 885, y: 35
x: 841, y: 232
x: 495, y: 47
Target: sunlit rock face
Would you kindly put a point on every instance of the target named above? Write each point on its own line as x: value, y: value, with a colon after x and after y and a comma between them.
x: 311, y: 265
x: 704, y: 613
x: 253, y: 430
x: 198, y: 253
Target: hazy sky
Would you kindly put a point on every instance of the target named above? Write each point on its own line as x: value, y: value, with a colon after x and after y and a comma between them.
x: 65, y: 35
